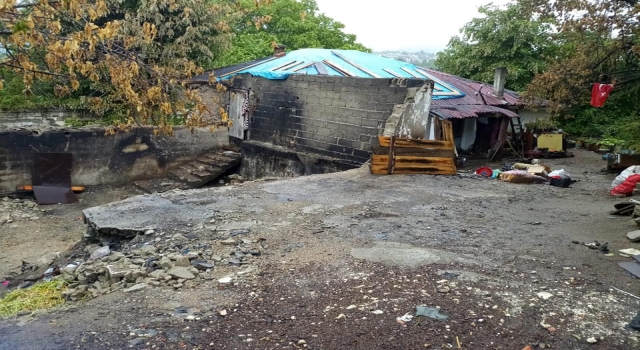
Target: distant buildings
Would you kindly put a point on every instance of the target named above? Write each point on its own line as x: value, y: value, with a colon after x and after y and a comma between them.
x: 421, y: 58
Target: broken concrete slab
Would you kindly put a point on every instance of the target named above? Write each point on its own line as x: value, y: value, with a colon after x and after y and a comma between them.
x: 134, y: 216
x: 179, y: 272
x: 135, y: 288
x: 400, y: 254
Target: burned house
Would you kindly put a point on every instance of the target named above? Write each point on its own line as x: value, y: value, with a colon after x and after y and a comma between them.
x: 331, y: 105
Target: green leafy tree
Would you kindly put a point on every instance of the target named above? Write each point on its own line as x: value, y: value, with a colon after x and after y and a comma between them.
x: 600, y: 44
x: 503, y: 37
x: 297, y: 24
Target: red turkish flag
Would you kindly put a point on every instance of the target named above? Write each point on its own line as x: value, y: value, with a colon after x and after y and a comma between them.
x: 600, y: 93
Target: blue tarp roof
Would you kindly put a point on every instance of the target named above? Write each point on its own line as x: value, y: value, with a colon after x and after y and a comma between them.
x: 351, y: 62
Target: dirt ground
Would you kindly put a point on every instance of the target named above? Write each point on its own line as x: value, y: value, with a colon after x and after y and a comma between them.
x: 347, y: 254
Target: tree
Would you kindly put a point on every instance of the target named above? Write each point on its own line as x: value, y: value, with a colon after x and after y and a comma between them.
x: 296, y: 24
x: 121, y: 57
x: 600, y: 44
x: 504, y: 37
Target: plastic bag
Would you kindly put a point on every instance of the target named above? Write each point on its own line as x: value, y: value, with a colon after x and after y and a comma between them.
x: 634, y: 169
x: 560, y: 174
x: 627, y: 186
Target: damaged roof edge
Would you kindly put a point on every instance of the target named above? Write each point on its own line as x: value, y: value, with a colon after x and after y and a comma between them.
x: 470, y: 111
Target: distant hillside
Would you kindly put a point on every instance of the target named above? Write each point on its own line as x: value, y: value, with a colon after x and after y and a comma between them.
x: 420, y: 58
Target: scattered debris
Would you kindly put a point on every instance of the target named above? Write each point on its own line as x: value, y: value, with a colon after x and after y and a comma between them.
x: 592, y: 340
x: 635, y: 322
x: 593, y: 245
x: 634, y: 236
x: 405, y: 318
x: 225, y: 280
x: 630, y: 251
x: 544, y: 295
x: 377, y: 312
x: 135, y: 288
x: 14, y: 210
x: 627, y: 293
x: 100, y: 253
x: 430, y: 312
x: 443, y: 289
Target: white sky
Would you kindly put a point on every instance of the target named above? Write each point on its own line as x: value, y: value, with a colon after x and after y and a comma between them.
x: 411, y: 25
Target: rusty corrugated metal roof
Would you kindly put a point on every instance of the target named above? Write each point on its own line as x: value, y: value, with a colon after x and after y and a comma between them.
x: 469, y: 111
x: 478, y: 99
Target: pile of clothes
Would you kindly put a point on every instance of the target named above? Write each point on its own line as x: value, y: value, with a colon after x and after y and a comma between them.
x: 529, y: 173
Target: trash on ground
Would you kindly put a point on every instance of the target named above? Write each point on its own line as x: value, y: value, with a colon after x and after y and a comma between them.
x: 635, y: 322
x: 430, y: 312
x: 630, y: 251
x: 406, y: 318
x: 593, y: 245
x: 624, y: 208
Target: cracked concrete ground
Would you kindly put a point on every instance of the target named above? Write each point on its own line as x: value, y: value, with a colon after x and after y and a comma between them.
x: 346, y: 254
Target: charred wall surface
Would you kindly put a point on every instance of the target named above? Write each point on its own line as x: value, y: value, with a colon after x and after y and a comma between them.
x: 100, y: 159
x: 326, y: 116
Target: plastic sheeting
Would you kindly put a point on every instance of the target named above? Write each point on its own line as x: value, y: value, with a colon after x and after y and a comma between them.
x: 371, y: 66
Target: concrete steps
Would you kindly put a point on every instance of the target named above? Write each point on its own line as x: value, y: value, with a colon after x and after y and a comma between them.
x: 194, y: 174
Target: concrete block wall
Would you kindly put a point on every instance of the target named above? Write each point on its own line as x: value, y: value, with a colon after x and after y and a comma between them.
x: 39, y: 118
x: 100, y: 159
x: 334, y: 117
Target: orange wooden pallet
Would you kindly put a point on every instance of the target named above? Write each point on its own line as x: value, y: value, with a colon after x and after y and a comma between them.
x: 414, y: 156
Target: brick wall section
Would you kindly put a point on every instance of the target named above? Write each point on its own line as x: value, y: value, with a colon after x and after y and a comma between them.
x: 335, y: 117
x: 100, y: 159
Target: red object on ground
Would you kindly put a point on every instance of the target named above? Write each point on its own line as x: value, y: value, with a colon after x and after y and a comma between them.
x: 627, y: 186
x: 485, y: 171
x: 600, y: 93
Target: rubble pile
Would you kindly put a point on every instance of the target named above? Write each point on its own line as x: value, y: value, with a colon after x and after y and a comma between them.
x: 12, y: 210
x: 166, y: 262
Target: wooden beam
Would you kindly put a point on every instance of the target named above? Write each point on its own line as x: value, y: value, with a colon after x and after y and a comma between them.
x: 282, y: 66
x: 295, y: 65
x: 338, y: 68
x: 304, y: 66
x: 410, y: 72
x: 355, y: 65
x: 392, y: 73
x: 415, y: 151
x: 404, y: 142
x: 380, y: 159
x: 245, y: 68
x: 390, y: 157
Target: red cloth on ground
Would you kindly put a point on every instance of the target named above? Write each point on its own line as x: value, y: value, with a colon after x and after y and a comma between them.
x: 600, y: 93
x: 627, y: 186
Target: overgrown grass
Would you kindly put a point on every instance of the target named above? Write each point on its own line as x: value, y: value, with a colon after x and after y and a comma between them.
x: 43, y: 295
